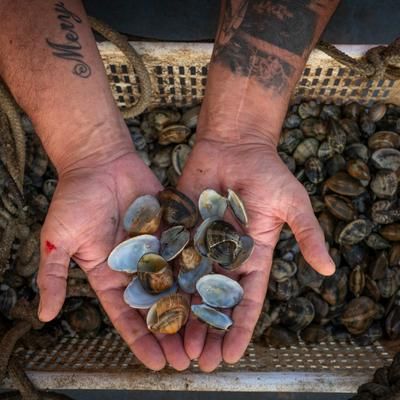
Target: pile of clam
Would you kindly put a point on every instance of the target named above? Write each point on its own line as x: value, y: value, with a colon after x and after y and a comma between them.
x: 348, y: 159
x: 149, y: 258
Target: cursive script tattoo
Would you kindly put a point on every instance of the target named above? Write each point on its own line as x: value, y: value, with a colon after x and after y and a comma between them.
x: 70, y: 49
x: 248, y: 27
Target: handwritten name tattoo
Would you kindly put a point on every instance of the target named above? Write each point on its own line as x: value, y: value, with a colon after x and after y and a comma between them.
x: 71, y: 48
x: 285, y: 24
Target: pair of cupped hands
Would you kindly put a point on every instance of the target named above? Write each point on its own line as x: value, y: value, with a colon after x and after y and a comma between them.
x: 84, y: 222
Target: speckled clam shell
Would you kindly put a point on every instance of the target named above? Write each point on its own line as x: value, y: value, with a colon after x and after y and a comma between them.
x: 200, y: 236
x: 143, y: 216
x: 173, y: 241
x: 212, y: 317
x: 187, y: 279
x: 237, y: 206
x: 219, y: 291
x: 126, y: 255
x: 212, y: 204
x: 136, y: 297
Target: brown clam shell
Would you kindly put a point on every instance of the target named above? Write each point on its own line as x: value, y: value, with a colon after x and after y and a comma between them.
x: 168, y: 315
x: 344, y: 184
x: 355, y: 231
x: 384, y: 139
x: 358, y: 169
x: 173, y: 134
x: 384, y: 184
x: 391, y: 232
x: 341, y: 207
x: 359, y: 314
x: 189, y: 259
x: 357, y: 281
x: 178, y: 209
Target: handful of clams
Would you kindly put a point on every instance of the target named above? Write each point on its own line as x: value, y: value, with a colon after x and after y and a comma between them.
x: 154, y: 285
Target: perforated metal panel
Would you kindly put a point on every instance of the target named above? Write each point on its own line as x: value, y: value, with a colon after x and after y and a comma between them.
x: 178, y: 73
x: 179, y: 76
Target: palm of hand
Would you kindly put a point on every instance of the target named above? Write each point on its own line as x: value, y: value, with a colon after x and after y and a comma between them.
x: 272, y: 196
x: 85, y: 221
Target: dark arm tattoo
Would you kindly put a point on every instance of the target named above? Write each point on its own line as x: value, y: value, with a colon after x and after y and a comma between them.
x: 285, y: 24
x: 71, y: 48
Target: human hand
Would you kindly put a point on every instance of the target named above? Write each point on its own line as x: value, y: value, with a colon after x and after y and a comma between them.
x: 85, y: 222
x: 272, y: 196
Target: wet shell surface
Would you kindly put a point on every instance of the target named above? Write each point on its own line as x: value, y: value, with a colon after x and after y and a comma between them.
x: 212, y: 204
x: 345, y: 185
x: 200, y: 236
x: 154, y: 273
x: 219, y: 291
x: 178, y: 209
x: 143, y: 216
x: 179, y: 156
x: 386, y: 159
x: 188, y: 278
x: 173, y: 241
x: 237, y: 206
x: 359, y: 314
x: 168, y: 314
x: 136, y: 297
x: 126, y: 255
x: 173, y: 134
x: 212, y: 317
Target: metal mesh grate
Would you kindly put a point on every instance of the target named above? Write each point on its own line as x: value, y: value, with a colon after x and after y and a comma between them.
x: 179, y: 76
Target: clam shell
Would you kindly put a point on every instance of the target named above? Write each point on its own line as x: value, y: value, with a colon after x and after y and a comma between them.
x: 219, y: 291
x: 344, y: 184
x: 136, y: 297
x: 358, y: 169
x: 143, y: 216
x: 245, y: 251
x: 179, y: 156
x: 306, y: 149
x: 237, y: 206
x: 384, y: 139
x: 189, y: 259
x: 282, y: 270
x: 212, y: 317
x: 336, y: 137
x: 190, y: 117
x: 359, y: 314
x: 386, y: 159
x: 188, y: 279
x: 173, y: 241
x: 178, y: 209
x: 289, y: 140
x: 314, y: 170
x: 173, y: 134
x: 357, y: 281
x: 200, y: 236
x: 357, y: 150
x: 377, y: 112
x: 384, y: 184
x: 127, y: 254
x: 340, y: 207
x: 154, y: 273
x: 391, y: 232
x: 160, y: 118
x: 168, y: 314
x: 212, y: 204
x: 355, y: 232
x: 297, y: 314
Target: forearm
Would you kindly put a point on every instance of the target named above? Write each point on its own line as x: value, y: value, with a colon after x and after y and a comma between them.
x: 49, y: 60
x: 259, y: 54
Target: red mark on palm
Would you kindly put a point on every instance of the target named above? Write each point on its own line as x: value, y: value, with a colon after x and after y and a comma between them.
x: 49, y: 247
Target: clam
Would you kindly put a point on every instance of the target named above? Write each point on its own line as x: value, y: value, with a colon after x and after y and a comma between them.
x: 371, y: 289
x: 355, y: 231
x: 352, y: 110
x: 173, y: 134
x: 391, y: 232
x: 385, y: 212
x: 179, y: 156
x: 314, y: 127
x: 336, y: 136
x: 358, y: 169
x: 378, y: 267
x: 384, y: 184
x: 212, y: 204
x: 388, y: 284
x: 386, y: 159
x: 143, y: 216
x: 377, y: 242
x: 352, y: 130
x: 178, y: 209
x: 341, y: 207
x: 173, y: 241
x: 278, y: 336
x: 189, y: 276
x: 357, y: 150
x: 85, y: 318
x: 377, y: 111
x: 168, y: 315
x: 335, y: 164
x: 212, y: 317
x: 384, y: 139
x: 392, y: 324
x: 282, y: 270
x: 345, y: 185
x: 309, y: 109
x: 394, y: 255
x: 297, y: 314
x: 314, y: 170
x: 334, y: 288
x: 162, y: 157
x: 127, y: 254
x: 314, y: 333
x: 359, y: 314
x: 200, y: 236
x: 136, y: 297
x: 306, y: 149
x: 281, y: 291
x: 357, y: 281
x: 154, y: 273
x: 237, y: 207
x: 161, y: 118
x: 321, y: 307
x: 190, y: 117
x: 325, y: 151
x: 219, y: 291
x: 289, y: 140
x: 292, y: 121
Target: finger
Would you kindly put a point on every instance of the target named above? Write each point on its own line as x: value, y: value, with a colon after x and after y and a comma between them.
x: 109, y: 287
x: 52, y: 278
x: 211, y: 356
x: 195, y: 333
x: 245, y: 316
x: 174, y: 351
x: 310, y: 237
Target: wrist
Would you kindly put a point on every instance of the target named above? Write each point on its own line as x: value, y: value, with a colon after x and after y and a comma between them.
x: 86, y: 144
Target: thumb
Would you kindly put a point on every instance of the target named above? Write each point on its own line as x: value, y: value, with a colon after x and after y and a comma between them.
x: 53, y: 273
x: 310, y: 236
